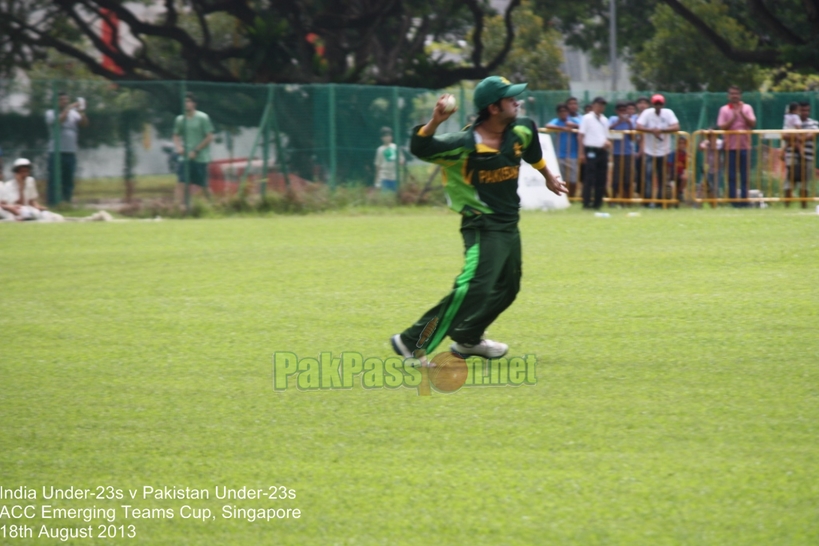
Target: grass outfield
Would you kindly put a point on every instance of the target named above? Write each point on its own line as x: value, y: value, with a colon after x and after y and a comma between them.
x: 677, y: 396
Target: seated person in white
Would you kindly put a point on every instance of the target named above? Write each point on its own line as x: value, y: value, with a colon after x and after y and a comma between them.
x: 18, y: 196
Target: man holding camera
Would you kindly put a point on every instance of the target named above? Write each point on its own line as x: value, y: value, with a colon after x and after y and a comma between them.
x: 71, y: 117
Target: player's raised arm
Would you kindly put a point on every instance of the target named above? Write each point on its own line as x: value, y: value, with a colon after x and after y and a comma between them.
x: 439, y: 149
x: 443, y: 110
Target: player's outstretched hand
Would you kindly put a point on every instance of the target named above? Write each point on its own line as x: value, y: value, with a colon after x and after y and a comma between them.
x: 440, y: 114
x: 556, y: 185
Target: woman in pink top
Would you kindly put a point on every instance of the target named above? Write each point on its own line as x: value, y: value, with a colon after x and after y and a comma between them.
x: 737, y: 116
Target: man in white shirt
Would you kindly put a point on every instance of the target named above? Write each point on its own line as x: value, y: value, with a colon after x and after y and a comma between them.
x: 72, y: 117
x: 593, y: 151
x: 657, y: 122
x: 18, y: 196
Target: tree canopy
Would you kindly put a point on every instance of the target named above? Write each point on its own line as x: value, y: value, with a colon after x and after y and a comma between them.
x: 765, y: 33
x: 388, y: 41
x: 678, y: 59
x: 785, y: 31
x: 535, y: 56
x: 294, y: 41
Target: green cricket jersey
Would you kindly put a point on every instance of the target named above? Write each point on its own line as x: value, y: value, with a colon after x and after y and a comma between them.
x: 481, y: 182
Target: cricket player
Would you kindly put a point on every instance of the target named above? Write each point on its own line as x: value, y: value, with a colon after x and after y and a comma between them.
x: 480, y: 167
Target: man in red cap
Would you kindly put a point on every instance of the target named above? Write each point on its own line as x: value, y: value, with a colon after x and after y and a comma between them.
x: 657, y: 122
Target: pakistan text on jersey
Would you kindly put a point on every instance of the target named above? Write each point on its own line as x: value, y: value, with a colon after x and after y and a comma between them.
x: 499, y: 175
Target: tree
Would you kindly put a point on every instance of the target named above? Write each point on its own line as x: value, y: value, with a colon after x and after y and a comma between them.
x: 784, y: 80
x: 678, y: 59
x: 584, y: 24
x: 785, y: 31
x: 292, y: 41
x: 535, y: 56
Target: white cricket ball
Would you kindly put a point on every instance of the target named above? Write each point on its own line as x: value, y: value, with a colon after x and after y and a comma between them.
x: 449, y: 103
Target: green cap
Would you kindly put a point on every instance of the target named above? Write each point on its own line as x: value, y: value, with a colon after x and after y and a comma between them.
x: 495, y: 88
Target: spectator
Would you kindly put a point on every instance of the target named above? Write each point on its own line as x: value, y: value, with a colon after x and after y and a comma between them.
x: 792, y: 119
x: 800, y: 157
x: 677, y: 163
x: 713, y: 161
x: 594, y: 139
x: 737, y: 116
x: 192, y: 135
x: 386, y: 162
x: 641, y: 105
x: 574, y: 114
x: 72, y: 117
x: 623, y: 152
x: 566, y: 147
x: 574, y: 123
x: 18, y: 196
x: 790, y: 123
x: 657, y: 123
x: 587, y: 108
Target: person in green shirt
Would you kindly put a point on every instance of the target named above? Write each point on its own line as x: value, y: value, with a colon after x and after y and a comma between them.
x: 192, y: 135
x: 480, y: 166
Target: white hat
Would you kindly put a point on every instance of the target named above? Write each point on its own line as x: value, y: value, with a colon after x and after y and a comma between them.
x: 21, y: 162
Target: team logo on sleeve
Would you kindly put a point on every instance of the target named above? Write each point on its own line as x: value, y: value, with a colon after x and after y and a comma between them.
x: 524, y: 134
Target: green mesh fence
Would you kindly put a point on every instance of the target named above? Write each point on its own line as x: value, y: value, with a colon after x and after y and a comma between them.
x: 268, y: 137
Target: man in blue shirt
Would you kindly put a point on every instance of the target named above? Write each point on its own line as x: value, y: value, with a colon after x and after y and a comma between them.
x: 566, y: 144
x: 621, y: 180
x: 641, y: 104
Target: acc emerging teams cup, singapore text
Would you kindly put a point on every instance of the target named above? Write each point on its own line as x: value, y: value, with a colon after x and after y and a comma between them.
x: 111, y: 512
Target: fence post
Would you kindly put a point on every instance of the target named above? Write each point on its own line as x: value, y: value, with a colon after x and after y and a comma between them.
x: 128, y: 167
x: 332, y: 113
x: 808, y: 184
x: 186, y: 165
x: 753, y: 159
x: 703, y: 112
x: 280, y: 159
x: 266, y: 149
x: 397, y: 138
x: 56, y: 179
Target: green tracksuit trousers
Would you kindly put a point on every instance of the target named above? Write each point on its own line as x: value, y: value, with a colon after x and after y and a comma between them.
x: 488, y: 284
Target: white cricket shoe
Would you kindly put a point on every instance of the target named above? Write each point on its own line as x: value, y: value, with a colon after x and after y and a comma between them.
x: 486, y: 348
x: 402, y: 350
